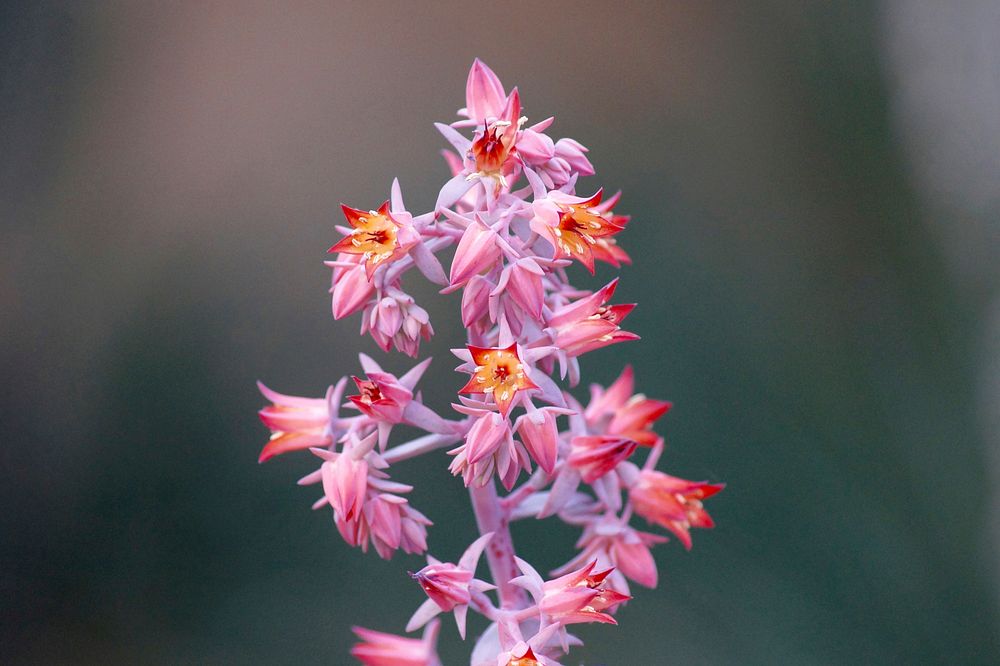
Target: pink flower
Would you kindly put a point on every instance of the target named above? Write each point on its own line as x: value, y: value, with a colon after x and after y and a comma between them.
x: 396, y: 320
x: 522, y: 280
x: 476, y: 301
x: 579, y: 596
x: 574, y: 155
x: 596, y: 455
x: 476, y: 251
x: 588, y: 323
x: 394, y: 524
x: 367, y: 506
x: 540, y: 435
x: 345, y: 481
x: 489, y: 448
x: 379, y: 649
x: 611, y: 542
x: 522, y: 654
x: 674, y: 503
x: 297, y: 423
x: 351, y: 288
x: 503, y: 644
x: 492, y: 152
x: 617, y: 411
x: 484, y: 94
x: 386, y: 401
x: 382, y: 397
x: 449, y: 586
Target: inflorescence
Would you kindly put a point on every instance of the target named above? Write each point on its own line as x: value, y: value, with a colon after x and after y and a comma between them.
x: 512, y: 213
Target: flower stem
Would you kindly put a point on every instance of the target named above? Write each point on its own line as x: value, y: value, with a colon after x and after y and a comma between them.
x: 418, y: 446
x: 500, y: 550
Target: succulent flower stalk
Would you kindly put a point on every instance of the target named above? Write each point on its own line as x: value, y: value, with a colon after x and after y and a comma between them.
x: 518, y: 437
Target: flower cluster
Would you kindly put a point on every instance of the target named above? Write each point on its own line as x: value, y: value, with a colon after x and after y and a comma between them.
x: 517, y: 224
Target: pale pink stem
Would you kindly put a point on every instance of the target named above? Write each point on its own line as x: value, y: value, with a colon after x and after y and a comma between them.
x: 654, y: 455
x: 532, y: 485
x: 418, y: 447
x: 500, y: 550
x: 482, y: 605
x: 525, y: 614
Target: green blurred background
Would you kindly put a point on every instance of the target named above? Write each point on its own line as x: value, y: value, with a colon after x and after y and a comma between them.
x: 814, y: 188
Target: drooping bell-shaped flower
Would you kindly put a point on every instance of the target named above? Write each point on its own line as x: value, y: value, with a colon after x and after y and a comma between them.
x: 476, y: 252
x: 351, y: 289
x: 476, y: 302
x: 396, y: 320
x: 498, y: 373
x: 489, y: 449
x: 540, y: 434
x: 368, y: 508
x: 673, y: 503
x: 522, y: 281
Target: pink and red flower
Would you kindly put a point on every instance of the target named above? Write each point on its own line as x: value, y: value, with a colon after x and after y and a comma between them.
x: 673, y: 503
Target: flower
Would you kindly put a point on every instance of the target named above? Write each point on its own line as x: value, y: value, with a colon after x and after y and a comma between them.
x: 367, y: 506
x: 540, y: 435
x: 588, y: 323
x: 380, y: 649
x: 377, y: 236
x: 523, y: 655
x: 449, y: 586
x: 489, y: 447
x: 596, y: 455
x: 492, y: 151
x: 523, y: 281
x: 484, y: 94
x: 579, y: 596
x: 673, y: 503
x: 396, y: 320
x: 573, y: 225
x: 503, y: 644
x: 351, y: 288
x: 477, y: 250
x: 498, y: 373
x: 616, y: 411
x: 298, y: 423
x: 476, y: 301
x: 382, y: 397
x: 609, y: 541
x: 345, y: 480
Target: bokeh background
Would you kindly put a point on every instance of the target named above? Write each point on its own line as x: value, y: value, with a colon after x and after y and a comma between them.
x: 815, y: 189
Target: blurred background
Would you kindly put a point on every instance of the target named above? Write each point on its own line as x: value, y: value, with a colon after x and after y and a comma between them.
x: 815, y: 191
